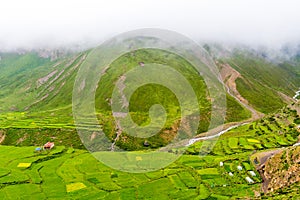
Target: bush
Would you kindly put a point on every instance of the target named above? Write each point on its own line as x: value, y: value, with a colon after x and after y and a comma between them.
x: 297, y: 120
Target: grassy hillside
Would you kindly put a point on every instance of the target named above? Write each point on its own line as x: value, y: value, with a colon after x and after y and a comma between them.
x: 269, y: 74
x: 46, y: 94
x: 28, y: 80
x: 235, y: 112
x: 146, y: 96
x: 263, y: 99
x: 262, y: 80
x: 151, y: 94
x: 16, y: 77
x: 36, y: 107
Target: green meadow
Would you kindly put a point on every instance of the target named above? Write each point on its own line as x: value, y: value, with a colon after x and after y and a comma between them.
x: 71, y: 173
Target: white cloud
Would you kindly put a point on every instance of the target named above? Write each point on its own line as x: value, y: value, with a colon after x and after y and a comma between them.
x: 53, y: 22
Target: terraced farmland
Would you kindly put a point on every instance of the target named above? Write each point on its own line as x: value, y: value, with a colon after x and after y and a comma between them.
x: 274, y: 131
x: 68, y: 173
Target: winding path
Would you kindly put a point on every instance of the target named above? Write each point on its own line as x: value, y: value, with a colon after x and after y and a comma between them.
x: 228, y: 76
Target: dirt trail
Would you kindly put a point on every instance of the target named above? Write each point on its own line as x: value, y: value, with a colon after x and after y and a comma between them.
x: 264, y: 156
x: 229, y: 76
x: 119, y: 132
x: 2, y: 137
x: 121, y: 86
x: 286, y: 98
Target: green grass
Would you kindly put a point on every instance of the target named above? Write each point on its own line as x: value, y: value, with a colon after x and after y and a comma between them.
x: 146, y: 96
x: 55, y: 112
x: 50, y: 175
x: 261, y: 98
x: 190, y: 177
x: 262, y: 79
x: 269, y: 75
x: 235, y: 112
x: 15, y: 78
x: 39, y: 136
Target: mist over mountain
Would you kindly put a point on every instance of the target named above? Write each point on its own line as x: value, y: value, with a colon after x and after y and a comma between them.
x: 74, y: 25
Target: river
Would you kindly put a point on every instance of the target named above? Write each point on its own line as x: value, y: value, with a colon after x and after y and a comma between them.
x: 297, y: 95
x: 192, y: 141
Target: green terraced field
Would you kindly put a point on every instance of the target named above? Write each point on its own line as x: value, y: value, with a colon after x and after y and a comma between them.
x: 68, y: 173
x: 51, y: 173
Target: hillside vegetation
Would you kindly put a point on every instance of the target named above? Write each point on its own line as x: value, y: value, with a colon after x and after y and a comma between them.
x: 46, y: 93
x: 264, y: 84
x: 71, y: 173
x: 36, y: 107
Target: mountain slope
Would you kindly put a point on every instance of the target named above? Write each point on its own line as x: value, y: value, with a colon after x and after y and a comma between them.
x: 37, y: 107
x: 265, y: 85
x: 43, y: 88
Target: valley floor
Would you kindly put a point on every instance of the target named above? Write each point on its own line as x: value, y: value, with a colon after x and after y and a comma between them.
x: 227, y: 172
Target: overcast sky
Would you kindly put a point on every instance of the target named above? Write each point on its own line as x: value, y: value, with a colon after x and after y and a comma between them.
x: 30, y: 23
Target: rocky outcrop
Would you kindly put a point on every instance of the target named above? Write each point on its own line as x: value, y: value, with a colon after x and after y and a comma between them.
x: 282, y: 169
